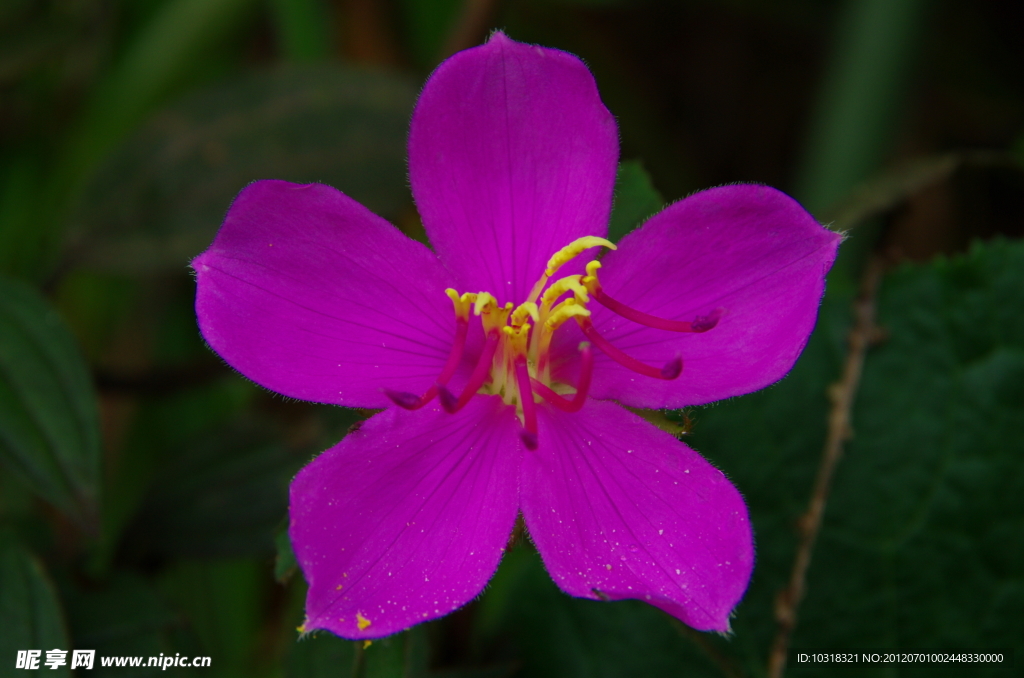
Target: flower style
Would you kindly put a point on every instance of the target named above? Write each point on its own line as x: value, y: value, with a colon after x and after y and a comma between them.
x: 502, y: 356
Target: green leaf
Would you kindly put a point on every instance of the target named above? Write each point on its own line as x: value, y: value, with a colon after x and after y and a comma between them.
x: 222, y: 495
x: 221, y: 600
x: 175, y: 47
x: 49, y: 430
x: 863, y: 92
x: 160, y: 199
x: 162, y: 428
x: 29, y: 608
x: 177, y: 38
x: 285, y: 564
x: 120, y: 617
x: 920, y: 547
x: 917, y: 534
x: 636, y: 199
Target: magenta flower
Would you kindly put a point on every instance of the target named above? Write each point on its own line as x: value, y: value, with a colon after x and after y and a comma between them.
x: 502, y: 356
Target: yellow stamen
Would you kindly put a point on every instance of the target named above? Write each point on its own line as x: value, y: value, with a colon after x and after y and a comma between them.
x: 560, y: 287
x: 526, y: 309
x: 483, y: 301
x: 462, y: 303
x: 518, y: 336
x: 565, y: 310
x: 591, y: 272
x: 492, y: 316
x: 566, y: 254
x: 525, y: 332
x: 573, y: 250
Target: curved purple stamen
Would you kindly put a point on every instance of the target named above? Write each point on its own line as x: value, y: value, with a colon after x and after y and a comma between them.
x: 449, y: 402
x: 529, y: 432
x: 411, y: 401
x: 582, y: 389
x: 671, y: 370
x: 701, y: 323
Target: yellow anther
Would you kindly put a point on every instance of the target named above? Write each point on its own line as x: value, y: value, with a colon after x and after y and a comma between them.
x: 565, y: 310
x: 461, y: 303
x: 563, y: 285
x: 361, y: 621
x: 518, y: 338
x: 526, y: 309
x: 483, y: 302
x: 573, y: 249
x: 592, y: 271
x: 492, y: 316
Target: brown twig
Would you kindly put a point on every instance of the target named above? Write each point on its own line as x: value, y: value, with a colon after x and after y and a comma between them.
x: 842, y: 395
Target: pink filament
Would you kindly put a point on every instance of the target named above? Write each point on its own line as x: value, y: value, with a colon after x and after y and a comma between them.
x: 699, y: 324
x: 582, y: 389
x: 411, y: 401
x: 529, y: 433
x: 476, y: 380
x: 671, y: 370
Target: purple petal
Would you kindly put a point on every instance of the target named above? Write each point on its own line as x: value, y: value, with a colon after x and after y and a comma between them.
x: 309, y: 294
x: 512, y: 156
x: 750, y: 250
x: 406, y: 519
x: 620, y: 509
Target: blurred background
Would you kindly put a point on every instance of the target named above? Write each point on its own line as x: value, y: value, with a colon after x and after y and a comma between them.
x: 143, y: 484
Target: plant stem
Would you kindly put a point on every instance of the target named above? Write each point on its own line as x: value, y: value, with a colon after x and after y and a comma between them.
x: 842, y: 394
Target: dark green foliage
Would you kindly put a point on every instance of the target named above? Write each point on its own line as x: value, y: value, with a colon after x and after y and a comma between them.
x: 636, y: 199
x: 221, y: 495
x: 923, y: 511
x: 285, y: 564
x: 918, y: 549
x: 159, y: 200
x: 49, y: 433
x: 29, y: 609
x: 124, y: 616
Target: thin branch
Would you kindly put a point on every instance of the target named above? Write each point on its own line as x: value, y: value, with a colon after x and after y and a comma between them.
x: 842, y: 394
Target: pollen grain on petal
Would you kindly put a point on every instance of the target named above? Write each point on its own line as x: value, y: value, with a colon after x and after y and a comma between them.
x: 362, y: 622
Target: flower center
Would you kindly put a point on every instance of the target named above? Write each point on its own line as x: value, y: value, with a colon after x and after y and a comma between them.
x: 515, y: 363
